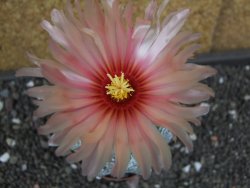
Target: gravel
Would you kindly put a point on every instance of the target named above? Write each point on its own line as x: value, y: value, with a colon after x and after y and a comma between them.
x: 221, y: 144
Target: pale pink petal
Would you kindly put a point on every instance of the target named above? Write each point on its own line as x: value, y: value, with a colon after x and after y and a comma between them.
x: 82, y: 153
x: 196, y: 74
x: 163, y: 160
x: 75, y: 133
x: 139, y: 147
x: 185, y: 54
x: 65, y: 78
x: 181, y: 40
x: 73, y: 63
x: 116, y: 34
x: 161, y: 8
x: 128, y: 16
x: 167, y: 61
x: 194, y: 95
x: 96, y: 134
x: 79, y: 45
x: 40, y: 92
x: 186, y: 111
x: 121, y: 147
x: 33, y: 72
x: 59, y: 73
x: 70, y: 14
x: 151, y: 10
x: 55, y: 33
x: 158, y: 117
x: 168, y: 32
x: 97, y: 160
x: 166, y: 84
x: 44, y: 92
x: 60, y: 121
x: 93, y: 15
x: 56, y: 104
x: 102, y: 153
x: 98, y: 42
x: 110, y: 30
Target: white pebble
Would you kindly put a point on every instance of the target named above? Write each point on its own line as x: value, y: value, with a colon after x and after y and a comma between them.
x: 30, y: 83
x: 11, y: 142
x: 177, y: 145
x: 221, y: 80
x: 204, y: 104
x: 247, y: 97
x: 231, y: 140
x: 186, y: 183
x: 186, y: 169
x: 73, y: 166
x: 50, y: 143
x: 76, y: 145
x: 184, y: 150
x: 157, y: 186
x: 247, y: 67
x: 16, y: 120
x: 98, y: 177
x: 197, y: 166
x: 36, y: 186
x: 5, y: 157
x: 24, y: 167
x: 214, y: 107
x: 1, y: 105
x: 193, y: 137
x: 233, y: 113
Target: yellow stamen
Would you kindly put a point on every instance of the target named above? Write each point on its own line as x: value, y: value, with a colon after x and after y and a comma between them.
x: 119, y: 88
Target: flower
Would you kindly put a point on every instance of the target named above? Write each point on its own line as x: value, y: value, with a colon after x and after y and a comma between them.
x: 115, y: 81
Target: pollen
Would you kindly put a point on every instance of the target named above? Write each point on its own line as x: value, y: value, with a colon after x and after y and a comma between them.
x: 119, y: 89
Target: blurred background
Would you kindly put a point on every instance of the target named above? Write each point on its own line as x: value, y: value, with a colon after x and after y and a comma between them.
x: 222, y: 148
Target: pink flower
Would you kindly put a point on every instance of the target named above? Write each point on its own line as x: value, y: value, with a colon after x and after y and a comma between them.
x: 116, y: 81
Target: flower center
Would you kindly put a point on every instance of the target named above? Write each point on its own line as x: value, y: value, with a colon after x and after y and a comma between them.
x: 119, y: 88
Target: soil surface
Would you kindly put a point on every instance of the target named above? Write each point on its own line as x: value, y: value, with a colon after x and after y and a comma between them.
x: 221, y: 146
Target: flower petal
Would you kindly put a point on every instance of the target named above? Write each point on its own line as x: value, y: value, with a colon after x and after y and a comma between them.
x: 60, y: 121
x: 102, y: 154
x: 139, y: 147
x: 56, y: 104
x: 66, y: 139
x: 96, y: 134
x: 83, y: 153
x: 163, y: 159
x: 178, y: 81
x: 33, y: 72
x: 195, y: 95
x: 168, y: 32
x: 158, y: 118
x: 65, y: 78
x: 150, y: 11
x: 121, y: 147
